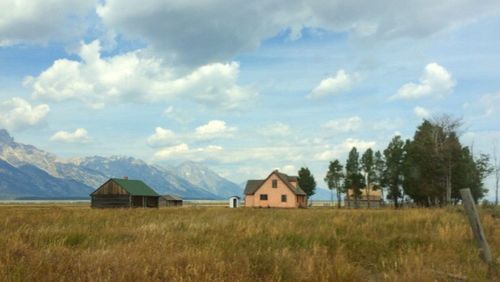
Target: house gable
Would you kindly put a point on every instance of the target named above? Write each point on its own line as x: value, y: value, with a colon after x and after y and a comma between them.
x: 254, y: 185
x: 110, y: 187
x: 268, y: 195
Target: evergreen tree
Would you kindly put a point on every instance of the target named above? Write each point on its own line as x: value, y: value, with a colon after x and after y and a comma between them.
x: 393, y: 173
x: 368, y: 166
x: 306, y: 181
x: 483, y: 169
x: 333, y: 178
x: 437, y: 166
x: 378, y: 176
x: 353, y: 177
x: 422, y: 167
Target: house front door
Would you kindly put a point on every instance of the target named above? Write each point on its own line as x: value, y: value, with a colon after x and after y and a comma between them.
x: 235, y: 202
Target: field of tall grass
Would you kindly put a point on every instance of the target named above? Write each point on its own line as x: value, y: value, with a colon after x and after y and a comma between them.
x: 76, y: 243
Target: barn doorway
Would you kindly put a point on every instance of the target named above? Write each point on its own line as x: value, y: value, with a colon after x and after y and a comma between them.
x: 137, y: 201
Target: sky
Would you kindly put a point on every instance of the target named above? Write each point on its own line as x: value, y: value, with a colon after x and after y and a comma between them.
x: 245, y: 86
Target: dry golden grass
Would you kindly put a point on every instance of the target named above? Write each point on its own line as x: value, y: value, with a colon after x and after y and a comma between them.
x: 76, y: 243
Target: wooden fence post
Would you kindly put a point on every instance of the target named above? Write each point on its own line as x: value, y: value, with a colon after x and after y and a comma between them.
x: 475, y: 224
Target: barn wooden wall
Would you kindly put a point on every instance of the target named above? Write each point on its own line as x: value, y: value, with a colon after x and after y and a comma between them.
x: 110, y: 201
x: 110, y: 188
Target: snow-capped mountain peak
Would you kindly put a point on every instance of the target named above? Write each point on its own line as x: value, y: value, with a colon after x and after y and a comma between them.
x: 196, y: 181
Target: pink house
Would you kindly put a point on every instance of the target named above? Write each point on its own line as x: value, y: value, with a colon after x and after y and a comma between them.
x: 278, y: 190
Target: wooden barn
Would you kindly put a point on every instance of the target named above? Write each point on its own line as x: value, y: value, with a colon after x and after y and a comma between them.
x: 170, y: 201
x: 124, y: 193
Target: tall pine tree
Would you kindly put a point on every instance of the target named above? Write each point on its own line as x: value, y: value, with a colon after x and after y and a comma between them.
x: 353, y: 177
x: 393, y: 174
x: 379, y: 168
x: 368, y: 166
x: 333, y: 178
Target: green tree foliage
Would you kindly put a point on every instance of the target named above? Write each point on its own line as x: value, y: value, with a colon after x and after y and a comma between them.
x: 470, y: 173
x: 353, y: 177
x: 430, y: 169
x: 368, y: 166
x: 334, y: 177
x: 378, y: 171
x: 306, y: 181
x: 437, y: 166
x: 421, y: 166
x: 394, y: 166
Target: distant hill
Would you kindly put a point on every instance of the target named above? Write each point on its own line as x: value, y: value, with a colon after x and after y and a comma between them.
x: 28, y: 181
x: 161, y: 179
x: 201, y: 176
x: 27, y: 171
x: 323, y: 194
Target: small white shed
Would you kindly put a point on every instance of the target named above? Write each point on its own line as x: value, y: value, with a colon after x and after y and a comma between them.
x: 234, y: 202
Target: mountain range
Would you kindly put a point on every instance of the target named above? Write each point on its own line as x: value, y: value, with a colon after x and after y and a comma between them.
x: 29, y: 172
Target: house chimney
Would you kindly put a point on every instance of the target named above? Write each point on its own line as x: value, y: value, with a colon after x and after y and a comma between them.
x: 125, y: 177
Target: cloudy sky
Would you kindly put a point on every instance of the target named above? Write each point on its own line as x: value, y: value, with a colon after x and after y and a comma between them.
x: 245, y: 86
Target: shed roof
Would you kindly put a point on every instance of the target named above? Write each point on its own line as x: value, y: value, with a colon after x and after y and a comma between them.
x: 135, y: 187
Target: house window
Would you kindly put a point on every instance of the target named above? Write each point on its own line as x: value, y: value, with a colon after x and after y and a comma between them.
x: 283, y: 198
x: 275, y: 183
x: 263, y: 197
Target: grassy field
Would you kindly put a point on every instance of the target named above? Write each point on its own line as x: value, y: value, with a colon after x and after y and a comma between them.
x: 75, y: 243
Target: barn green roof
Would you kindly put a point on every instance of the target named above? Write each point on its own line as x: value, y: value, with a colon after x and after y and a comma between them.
x: 135, y: 187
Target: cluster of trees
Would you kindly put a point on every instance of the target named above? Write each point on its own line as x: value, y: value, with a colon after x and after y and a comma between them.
x: 430, y: 169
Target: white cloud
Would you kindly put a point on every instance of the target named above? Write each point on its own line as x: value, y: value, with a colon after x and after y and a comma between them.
x: 435, y: 81
x: 214, y: 129
x: 331, y: 86
x: 183, y: 151
x: 200, y: 32
x: 168, y: 110
x: 80, y: 135
x: 162, y: 137
x: 339, y: 150
x: 490, y: 103
x: 387, y: 124
x: 344, y: 124
x: 422, y: 112
x: 134, y: 77
x: 289, y: 169
x: 17, y: 113
x: 233, y: 155
x: 40, y: 21
x: 277, y: 129
x: 177, y: 114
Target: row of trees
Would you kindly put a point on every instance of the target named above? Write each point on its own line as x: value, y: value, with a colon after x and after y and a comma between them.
x: 430, y: 169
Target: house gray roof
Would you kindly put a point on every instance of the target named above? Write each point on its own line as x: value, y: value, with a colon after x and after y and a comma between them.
x: 254, y: 185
